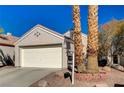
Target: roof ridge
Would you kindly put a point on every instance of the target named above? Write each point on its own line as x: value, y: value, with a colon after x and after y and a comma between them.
x: 39, y: 25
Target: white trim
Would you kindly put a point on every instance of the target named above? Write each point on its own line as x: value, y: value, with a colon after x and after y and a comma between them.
x: 43, y: 29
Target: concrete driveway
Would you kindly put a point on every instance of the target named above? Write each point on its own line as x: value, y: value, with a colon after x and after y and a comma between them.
x: 22, y: 77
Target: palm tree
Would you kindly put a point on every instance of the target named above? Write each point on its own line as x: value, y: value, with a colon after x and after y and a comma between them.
x: 78, y: 39
x: 92, y: 65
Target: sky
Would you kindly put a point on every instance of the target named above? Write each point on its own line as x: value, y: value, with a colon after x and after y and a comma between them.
x: 19, y: 19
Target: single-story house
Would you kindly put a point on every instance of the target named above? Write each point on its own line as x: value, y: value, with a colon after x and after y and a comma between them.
x: 7, y: 51
x: 42, y: 47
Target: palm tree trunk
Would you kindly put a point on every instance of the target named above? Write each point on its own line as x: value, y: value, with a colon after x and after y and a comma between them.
x: 78, y: 39
x: 92, y: 65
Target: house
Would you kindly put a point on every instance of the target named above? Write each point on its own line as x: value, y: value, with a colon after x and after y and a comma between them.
x: 69, y: 45
x: 42, y: 47
x: 115, y: 52
x: 69, y: 34
x: 7, y: 54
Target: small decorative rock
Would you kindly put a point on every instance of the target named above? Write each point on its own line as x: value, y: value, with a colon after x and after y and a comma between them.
x: 120, y: 68
x: 42, y: 83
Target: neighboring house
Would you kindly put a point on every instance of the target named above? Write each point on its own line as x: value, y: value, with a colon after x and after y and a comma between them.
x: 7, y: 54
x: 69, y: 34
x: 113, y: 56
x: 42, y: 47
x: 122, y: 60
x: 70, y: 47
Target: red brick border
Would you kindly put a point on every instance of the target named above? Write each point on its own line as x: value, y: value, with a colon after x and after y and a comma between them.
x: 89, y: 76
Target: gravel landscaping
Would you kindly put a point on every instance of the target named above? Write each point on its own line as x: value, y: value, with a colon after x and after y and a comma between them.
x: 58, y: 79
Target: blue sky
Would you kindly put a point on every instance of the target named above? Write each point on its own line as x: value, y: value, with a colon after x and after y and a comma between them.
x: 20, y: 19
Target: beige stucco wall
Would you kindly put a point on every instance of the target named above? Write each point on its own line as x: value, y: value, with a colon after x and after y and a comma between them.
x: 44, y: 38
x: 8, y: 51
x: 64, y: 57
x: 84, y: 42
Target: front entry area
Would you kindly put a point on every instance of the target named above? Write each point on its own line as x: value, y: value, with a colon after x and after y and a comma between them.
x: 115, y: 59
x: 49, y: 56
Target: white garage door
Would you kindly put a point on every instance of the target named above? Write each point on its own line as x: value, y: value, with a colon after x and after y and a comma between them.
x: 45, y: 57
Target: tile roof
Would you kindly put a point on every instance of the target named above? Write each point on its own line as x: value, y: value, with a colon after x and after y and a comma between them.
x: 7, y: 39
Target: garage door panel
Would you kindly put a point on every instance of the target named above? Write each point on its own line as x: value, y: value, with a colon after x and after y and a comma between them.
x: 49, y: 57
